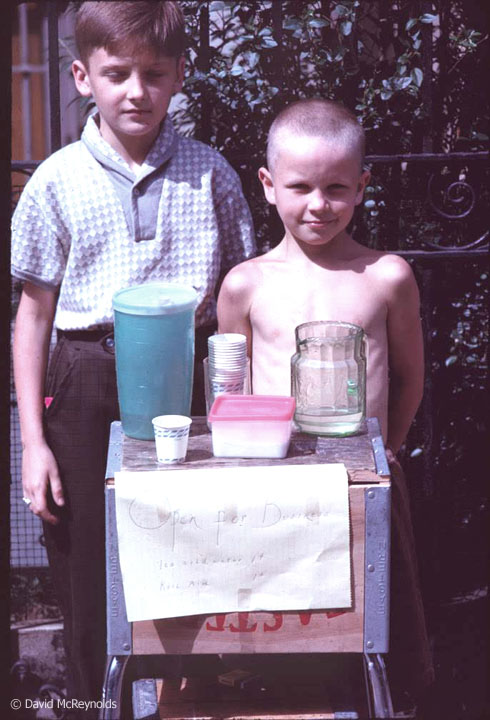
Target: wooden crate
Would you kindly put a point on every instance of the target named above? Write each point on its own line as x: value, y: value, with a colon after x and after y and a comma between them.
x: 361, y: 629
x: 262, y: 632
x: 293, y: 632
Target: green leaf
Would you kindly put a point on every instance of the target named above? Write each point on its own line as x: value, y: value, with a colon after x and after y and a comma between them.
x: 416, y: 452
x: 386, y: 94
x: 268, y: 42
x: 402, y: 83
x: 418, y: 76
x: 411, y: 23
x: 450, y: 360
x: 346, y: 28
x: 341, y: 10
x: 291, y: 24
x: 317, y: 23
x: 253, y: 58
x: 217, y: 6
x: 427, y: 18
x: 236, y: 70
x: 370, y: 204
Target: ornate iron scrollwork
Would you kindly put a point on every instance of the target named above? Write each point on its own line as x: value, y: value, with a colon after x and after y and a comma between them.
x: 452, y: 201
x: 451, y: 196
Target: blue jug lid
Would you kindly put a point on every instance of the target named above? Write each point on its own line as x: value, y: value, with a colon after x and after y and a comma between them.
x: 154, y: 299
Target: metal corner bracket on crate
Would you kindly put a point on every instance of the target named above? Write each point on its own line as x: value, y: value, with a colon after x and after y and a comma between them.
x: 377, y: 569
x: 380, y: 458
x: 119, y: 638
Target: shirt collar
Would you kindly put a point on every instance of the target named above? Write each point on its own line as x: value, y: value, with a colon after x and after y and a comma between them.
x: 162, y: 149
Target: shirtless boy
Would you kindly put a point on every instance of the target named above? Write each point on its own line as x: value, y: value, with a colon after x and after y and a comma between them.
x: 315, y: 178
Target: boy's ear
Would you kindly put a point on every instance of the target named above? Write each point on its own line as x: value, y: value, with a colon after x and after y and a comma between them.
x: 180, y: 74
x: 268, y: 184
x: 81, y: 78
x: 361, y: 186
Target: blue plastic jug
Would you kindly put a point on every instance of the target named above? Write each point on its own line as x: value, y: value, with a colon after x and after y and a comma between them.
x: 154, y: 345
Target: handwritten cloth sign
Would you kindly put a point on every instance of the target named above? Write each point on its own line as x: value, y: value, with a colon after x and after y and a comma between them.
x: 206, y: 541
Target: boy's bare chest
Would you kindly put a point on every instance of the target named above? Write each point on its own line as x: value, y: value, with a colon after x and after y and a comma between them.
x: 287, y: 299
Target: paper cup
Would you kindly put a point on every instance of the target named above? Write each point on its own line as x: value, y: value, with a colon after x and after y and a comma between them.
x: 171, y: 438
x: 217, y: 382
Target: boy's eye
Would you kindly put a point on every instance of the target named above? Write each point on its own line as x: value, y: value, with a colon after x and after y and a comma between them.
x: 336, y: 187
x: 299, y: 187
x: 116, y: 75
x: 121, y: 75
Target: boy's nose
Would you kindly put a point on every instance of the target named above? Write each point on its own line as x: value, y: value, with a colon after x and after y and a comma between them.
x: 317, y: 201
x: 136, y: 87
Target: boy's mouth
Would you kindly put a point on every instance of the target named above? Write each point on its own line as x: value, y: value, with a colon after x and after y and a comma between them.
x: 136, y: 111
x: 319, y: 223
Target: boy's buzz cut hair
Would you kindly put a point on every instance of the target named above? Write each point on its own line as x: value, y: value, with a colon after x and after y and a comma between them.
x: 316, y: 117
x: 156, y: 25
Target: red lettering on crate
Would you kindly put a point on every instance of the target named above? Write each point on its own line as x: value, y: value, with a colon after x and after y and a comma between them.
x: 220, y: 623
x: 246, y: 625
x: 334, y: 613
x: 243, y: 625
x: 304, y: 617
x: 277, y: 623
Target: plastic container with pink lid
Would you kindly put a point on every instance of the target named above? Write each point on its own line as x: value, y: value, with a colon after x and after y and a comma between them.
x: 251, y: 426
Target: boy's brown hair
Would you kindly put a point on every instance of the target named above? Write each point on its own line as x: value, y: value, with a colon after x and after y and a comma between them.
x: 139, y: 25
x: 316, y: 117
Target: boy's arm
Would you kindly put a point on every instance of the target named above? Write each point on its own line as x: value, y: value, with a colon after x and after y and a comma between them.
x: 33, y: 328
x: 406, y: 352
x: 234, y: 301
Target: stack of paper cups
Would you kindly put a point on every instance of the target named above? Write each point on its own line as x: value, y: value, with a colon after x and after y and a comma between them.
x: 227, y: 367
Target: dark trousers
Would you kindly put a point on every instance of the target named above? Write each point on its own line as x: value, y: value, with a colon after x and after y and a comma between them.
x: 409, y: 663
x: 82, y: 382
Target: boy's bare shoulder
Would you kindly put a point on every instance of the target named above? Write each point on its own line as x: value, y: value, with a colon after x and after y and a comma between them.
x: 386, y: 266
x: 246, y: 275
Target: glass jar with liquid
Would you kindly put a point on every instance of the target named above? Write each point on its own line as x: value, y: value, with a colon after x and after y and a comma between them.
x: 328, y: 378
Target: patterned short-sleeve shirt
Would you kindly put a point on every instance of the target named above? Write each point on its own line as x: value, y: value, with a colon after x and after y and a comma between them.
x: 72, y: 232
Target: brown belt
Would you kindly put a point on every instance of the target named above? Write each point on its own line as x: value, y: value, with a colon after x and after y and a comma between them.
x: 86, y: 335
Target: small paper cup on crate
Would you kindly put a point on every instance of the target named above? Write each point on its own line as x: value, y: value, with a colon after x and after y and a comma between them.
x: 171, y: 438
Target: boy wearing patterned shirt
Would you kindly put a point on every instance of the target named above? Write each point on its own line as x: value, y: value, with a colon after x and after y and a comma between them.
x: 129, y: 203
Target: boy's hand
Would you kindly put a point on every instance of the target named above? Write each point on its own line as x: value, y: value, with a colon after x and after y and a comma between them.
x: 41, y: 480
x: 391, y: 455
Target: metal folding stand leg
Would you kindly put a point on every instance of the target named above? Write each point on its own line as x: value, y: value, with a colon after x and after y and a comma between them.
x: 119, y: 639
x: 112, y: 690
x: 376, y: 607
x: 378, y: 690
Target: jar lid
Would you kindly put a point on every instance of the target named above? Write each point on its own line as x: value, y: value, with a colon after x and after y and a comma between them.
x: 154, y: 299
